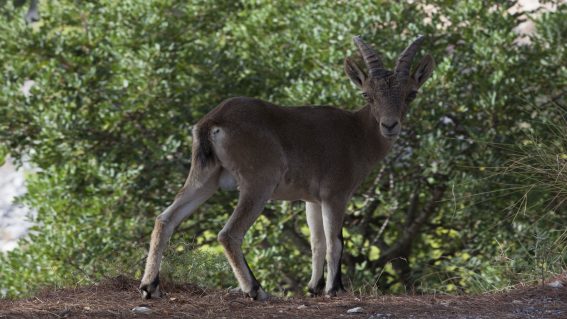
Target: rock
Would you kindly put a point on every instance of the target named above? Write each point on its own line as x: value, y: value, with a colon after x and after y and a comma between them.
x: 356, y: 310
x: 302, y: 307
x: 555, y: 284
x: 141, y: 310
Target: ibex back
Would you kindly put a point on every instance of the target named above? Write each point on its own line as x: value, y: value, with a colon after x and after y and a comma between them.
x: 317, y: 154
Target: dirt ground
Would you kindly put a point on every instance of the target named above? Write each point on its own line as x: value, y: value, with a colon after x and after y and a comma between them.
x: 116, y: 298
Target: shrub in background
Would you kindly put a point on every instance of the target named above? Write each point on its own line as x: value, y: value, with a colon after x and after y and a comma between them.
x: 118, y: 85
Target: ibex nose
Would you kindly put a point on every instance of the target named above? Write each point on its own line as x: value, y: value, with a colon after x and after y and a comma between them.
x: 389, y: 126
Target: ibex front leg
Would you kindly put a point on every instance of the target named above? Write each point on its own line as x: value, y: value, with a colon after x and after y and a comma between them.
x: 188, y: 199
x: 250, y: 205
x: 318, y: 248
x: 333, y: 214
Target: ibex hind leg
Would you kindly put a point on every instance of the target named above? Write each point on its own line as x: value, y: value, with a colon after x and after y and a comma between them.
x: 195, y: 192
x: 249, y: 207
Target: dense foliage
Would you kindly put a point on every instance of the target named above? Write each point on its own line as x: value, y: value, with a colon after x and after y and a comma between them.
x: 118, y: 84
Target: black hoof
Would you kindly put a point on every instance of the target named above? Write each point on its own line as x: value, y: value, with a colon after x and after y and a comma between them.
x: 150, y: 290
x: 258, y: 294
x: 318, y: 289
x: 335, y: 292
x: 313, y: 292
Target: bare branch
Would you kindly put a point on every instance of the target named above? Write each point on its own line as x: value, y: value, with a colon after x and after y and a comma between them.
x: 402, y: 246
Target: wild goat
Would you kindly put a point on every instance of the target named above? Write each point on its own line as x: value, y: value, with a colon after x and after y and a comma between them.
x: 318, y: 154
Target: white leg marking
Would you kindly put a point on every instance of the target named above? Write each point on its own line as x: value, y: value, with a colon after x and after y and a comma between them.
x: 318, y: 244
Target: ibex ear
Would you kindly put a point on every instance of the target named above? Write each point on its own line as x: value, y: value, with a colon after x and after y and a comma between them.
x: 424, y: 70
x: 354, y: 72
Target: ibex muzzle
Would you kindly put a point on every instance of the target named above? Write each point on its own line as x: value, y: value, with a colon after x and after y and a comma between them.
x: 318, y: 154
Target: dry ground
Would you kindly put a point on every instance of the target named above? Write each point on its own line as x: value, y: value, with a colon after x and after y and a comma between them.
x: 116, y: 298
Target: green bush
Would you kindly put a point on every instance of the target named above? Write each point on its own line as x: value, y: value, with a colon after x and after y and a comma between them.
x: 118, y: 85
x: 200, y: 265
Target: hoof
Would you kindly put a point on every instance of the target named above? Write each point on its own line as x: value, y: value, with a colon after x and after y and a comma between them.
x: 335, y: 293
x: 316, y: 290
x: 259, y: 294
x: 150, y: 290
x: 311, y: 292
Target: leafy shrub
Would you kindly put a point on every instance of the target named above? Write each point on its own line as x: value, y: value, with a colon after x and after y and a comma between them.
x: 119, y: 83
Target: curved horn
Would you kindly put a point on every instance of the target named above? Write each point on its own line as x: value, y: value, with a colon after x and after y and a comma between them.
x: 371, y: 58
x: 404, y: 61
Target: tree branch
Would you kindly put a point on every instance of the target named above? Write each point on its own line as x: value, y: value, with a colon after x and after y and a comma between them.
x: 297, y: 239
x: 402, y: 246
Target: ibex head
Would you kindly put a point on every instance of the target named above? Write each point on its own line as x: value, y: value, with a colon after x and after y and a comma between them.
x: 389, y: 93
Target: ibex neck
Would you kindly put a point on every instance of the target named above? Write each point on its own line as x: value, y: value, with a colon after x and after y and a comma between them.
x: 377, y: 145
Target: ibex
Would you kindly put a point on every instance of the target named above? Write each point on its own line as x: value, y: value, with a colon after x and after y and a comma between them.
x: 317, y: 154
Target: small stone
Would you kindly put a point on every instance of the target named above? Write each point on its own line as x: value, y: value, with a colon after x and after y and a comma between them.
x: 142, y: 310
x: 302, y: 307
x: 356, y: 310
x: 555, y: 284
x: 516, y: 301
x: 172, y: 298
